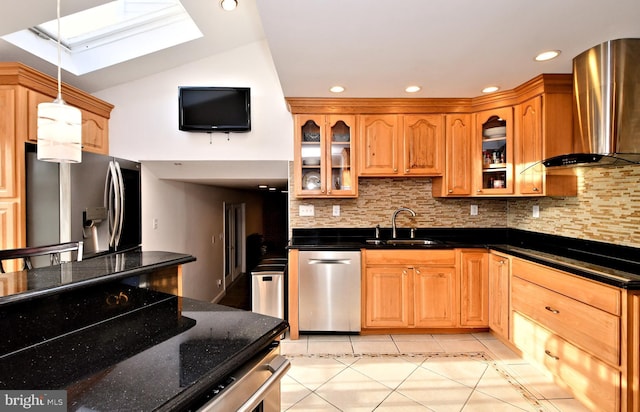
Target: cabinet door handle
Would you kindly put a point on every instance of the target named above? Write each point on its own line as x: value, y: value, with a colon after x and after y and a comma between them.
x: 549, y: 354
x: 550, y: 309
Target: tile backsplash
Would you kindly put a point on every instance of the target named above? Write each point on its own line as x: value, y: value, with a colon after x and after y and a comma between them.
x: 607, y: 208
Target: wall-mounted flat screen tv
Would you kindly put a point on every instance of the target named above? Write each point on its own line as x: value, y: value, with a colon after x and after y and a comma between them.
x: 214, y: 109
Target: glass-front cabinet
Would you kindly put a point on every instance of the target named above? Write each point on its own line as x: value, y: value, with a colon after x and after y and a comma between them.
x: 324, y: 156
x: 494, y: 158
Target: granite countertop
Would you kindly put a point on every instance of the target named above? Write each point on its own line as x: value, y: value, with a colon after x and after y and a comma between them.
x: 51, y: 280
x: 157, y: 358
x: 607, y: 263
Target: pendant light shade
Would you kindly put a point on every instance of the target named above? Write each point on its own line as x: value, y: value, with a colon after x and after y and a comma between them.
x: 59, y: 125
x: 59, y: 132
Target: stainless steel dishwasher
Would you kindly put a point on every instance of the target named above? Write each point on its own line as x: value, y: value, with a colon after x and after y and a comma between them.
x: 329, y: 291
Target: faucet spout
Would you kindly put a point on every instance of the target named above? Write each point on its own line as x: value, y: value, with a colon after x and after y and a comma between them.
x: 393, y: 219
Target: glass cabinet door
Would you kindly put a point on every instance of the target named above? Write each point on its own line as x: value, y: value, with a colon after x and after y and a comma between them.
x: 496, y: 151
x: 311, y: 156
x: 340, y: 172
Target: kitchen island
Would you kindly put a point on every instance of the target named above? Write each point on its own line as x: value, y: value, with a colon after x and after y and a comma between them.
x: 106, y: 331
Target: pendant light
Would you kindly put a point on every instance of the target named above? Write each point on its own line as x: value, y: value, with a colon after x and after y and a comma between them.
x: 229, y: 5
x: 59, y: 125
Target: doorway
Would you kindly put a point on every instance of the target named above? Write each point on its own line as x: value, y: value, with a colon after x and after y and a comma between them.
x: 234, y: 241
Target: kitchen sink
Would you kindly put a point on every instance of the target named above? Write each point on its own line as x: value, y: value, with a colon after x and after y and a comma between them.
x: 412, y: 242
x: 404, y: 242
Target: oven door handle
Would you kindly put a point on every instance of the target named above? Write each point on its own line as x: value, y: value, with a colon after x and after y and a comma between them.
x: 278, y: 366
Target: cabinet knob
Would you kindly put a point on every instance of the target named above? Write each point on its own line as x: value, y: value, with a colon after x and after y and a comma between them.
x: 395, y: 169
x: 450, y: 190
x: 479, y: 191
x: 406, y: 170
x: 535, y: 189
x: 501, y: 262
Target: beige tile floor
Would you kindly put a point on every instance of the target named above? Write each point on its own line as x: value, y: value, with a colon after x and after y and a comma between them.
x: 461, y: 372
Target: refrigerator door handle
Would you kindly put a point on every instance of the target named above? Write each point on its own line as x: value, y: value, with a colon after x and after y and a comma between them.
x: 112, y: 202
x: 120, y: 196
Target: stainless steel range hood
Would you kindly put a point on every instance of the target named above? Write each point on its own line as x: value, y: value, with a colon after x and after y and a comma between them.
x: 607, y: 105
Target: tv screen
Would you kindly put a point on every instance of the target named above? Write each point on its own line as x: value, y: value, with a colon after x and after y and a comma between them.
x: 214, y: 109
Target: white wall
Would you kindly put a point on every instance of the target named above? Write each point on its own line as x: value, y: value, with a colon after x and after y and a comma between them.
x: 144, y: 122
x: 144, y: 126
x: 188, y: 216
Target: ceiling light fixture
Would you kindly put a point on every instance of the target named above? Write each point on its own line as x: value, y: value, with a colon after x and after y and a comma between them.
x: 490, y: 89
x: 413, y: 89
x: 228, y: 5
x: 336, y: 89
x: 547, y: 55
x: 59, y: 125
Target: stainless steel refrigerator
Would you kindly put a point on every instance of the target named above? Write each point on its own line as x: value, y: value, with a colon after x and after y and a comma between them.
x: 100, y: 198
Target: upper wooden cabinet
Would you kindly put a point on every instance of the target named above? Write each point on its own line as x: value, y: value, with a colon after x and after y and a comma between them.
x: 379, y: 145
x: 485, y: 146
x: 401, y: 145
x: 324, y: 162
x: 457, y: 180
x: 95, y: 127
x: 21, y: 90
x: 493, y: 161
x: 543, y: 131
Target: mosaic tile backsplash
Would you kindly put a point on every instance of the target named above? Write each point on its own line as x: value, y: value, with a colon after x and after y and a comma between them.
x: 607, y: 208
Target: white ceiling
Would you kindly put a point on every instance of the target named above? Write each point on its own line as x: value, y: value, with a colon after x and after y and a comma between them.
x: 374, y: 48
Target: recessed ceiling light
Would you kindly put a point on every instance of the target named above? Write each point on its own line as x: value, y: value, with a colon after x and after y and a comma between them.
x: 490, y: 89
x: 413, y: 89
x: 336, y: 89
x: 262, y: 186
x: 547, y: 55
x: 228, y: 5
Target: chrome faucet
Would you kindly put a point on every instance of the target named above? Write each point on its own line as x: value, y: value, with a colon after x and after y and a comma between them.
x: 393, y: 219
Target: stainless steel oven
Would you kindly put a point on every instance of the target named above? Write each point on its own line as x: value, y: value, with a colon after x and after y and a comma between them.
x: 255, y: 387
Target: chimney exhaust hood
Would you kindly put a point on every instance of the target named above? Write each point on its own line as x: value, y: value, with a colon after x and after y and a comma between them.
x: 606, y: 81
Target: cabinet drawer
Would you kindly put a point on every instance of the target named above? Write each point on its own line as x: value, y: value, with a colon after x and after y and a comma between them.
x: 587, y: 327
x: 445, y: 257
x: 593, y: 382
x: 592, y: 293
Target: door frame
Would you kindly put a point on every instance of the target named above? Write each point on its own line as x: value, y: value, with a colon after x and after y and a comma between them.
x: 234, y: 241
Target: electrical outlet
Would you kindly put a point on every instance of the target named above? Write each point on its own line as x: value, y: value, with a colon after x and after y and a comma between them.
x: 336, y: 210
x: 306, y: 210
x: 155, y: 223
x: 474, y: 210
x: 213, y: 239
x: 219, y: 283
x: 536, y: 211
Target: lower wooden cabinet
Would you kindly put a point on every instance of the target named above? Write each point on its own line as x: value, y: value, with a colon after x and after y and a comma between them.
x: 387, y: 296
x: 474, y: 288
x: 499, y: 294
x: 593, y: 382
x: 436, y: 299
x: 425, y: 289
x: 577, y: 329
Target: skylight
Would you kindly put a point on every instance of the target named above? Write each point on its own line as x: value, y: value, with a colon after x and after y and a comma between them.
x: 112, y: 33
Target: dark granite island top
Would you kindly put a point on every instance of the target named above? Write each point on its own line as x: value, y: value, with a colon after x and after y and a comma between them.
x: 94, y: 329
x: 51, y: 280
